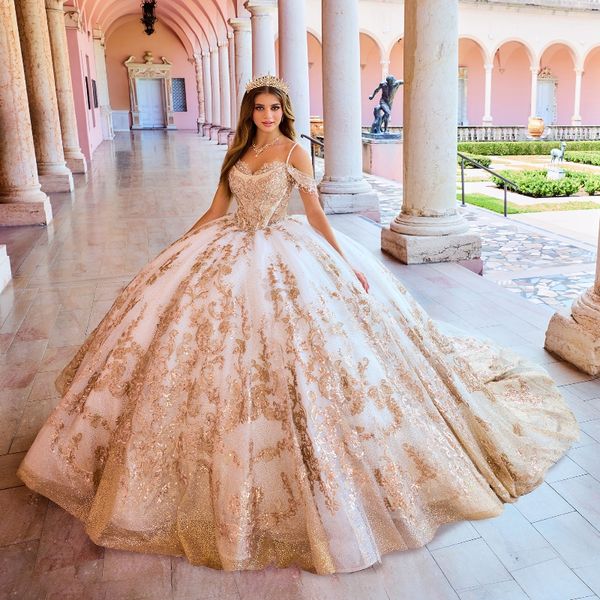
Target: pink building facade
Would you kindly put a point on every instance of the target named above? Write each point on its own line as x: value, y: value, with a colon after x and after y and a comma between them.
x: 515, y: 61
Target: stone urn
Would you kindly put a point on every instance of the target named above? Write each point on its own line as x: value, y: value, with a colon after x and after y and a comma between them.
x: 535, y: 127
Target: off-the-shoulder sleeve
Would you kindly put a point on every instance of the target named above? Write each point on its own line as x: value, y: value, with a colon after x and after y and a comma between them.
x: 302, y: 181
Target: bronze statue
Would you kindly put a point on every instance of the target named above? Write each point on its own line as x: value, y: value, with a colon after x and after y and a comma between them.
x: 383, y: 110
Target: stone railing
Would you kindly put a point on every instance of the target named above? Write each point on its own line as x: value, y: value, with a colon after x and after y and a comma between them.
x: 517, y: 133
x: 556, y: 4
x: 506, y: 134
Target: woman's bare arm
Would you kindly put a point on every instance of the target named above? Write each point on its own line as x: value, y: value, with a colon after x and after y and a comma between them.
x: 217, y: 209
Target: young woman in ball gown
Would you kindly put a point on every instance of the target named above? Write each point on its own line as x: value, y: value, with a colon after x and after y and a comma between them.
x: 265, y: 392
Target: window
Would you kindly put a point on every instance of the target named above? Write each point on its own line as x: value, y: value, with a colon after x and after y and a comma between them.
x: 179, y: 100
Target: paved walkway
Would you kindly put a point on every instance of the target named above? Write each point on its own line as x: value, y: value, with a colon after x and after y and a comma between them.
x: 144, y: 191
x: 548, y: 258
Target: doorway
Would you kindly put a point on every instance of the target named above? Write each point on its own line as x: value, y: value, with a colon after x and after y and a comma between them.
x: 151, y: 103
x: 546, y: 100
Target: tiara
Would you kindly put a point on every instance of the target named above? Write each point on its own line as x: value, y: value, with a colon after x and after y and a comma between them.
x: 268, y: 81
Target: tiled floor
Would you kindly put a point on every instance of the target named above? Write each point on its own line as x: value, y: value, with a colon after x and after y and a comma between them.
x: 145, y: 190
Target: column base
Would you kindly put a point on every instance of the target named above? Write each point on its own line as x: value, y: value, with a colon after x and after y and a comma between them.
x: 575, y: 343
x: 76, y: 163
x: 56, y: 182
x: 5, y: 272
x: 26, y: 213
x: 223, y: 134
x: 230, y: 138
x: 576, y: 120
x: 487, y: 122
x: 334, y: 204
x: 214, y: 132
x: 206, y: 129
x: 419, y: 249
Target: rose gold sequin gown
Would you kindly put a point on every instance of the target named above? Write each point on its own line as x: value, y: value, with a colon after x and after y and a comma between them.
x: 246, y: 403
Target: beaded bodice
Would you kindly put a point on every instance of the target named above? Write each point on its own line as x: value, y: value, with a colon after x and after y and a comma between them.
x: 262, y: 197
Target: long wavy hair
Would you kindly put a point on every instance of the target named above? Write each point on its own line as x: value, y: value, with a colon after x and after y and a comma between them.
x: 246, y: 129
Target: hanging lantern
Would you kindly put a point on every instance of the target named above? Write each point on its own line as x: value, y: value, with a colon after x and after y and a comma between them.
x: 148, y: 16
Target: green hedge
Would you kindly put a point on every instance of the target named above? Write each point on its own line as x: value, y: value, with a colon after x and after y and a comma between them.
x: 522, y: 148
x: 586, y: 158
x: 486, y: 161
x: 536, y: 185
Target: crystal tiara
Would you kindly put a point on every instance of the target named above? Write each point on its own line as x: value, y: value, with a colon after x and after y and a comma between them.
x: 268, y: 81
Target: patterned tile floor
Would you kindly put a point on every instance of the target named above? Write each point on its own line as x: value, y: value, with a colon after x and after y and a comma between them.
x: 511, y: 249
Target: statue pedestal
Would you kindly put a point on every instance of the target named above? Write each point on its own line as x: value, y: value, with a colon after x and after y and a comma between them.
x: 382, y: 154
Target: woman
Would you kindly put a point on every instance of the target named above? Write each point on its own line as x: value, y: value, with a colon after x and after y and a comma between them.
x: 250, y: 399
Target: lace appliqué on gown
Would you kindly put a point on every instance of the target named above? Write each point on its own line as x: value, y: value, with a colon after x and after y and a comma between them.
x: 246, y: 403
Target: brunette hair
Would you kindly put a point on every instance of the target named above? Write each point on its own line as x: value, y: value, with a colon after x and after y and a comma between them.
x: 246, y: 128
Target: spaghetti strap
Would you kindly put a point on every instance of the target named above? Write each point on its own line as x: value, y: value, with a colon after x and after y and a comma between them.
x: 287, y: 161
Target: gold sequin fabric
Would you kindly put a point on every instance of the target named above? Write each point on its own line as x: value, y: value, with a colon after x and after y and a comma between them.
x: 246, y: 403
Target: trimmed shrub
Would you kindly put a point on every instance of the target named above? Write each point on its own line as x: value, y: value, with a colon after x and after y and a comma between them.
x: 536, y: 185
x: 586, y: 158
x: 522, y: 148
x: 592, y: 185
x: 486, y: 161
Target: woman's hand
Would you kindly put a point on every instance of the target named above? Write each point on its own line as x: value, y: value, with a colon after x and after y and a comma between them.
x: 363, y: 280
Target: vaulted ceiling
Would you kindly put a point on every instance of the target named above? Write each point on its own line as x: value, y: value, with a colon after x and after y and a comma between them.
x: 199, y: 24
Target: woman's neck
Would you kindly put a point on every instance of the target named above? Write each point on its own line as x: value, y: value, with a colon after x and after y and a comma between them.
x: 262, y: 137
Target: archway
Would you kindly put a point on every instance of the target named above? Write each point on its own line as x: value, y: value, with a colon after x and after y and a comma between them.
x: 471, y: 79
x: 556, y: 85
x: 370, y: 74
x: 590, y: 89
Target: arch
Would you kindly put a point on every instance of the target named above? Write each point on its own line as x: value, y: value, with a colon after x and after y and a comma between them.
x: 485, y: 54
x: 575, y: 56
x: 376, y: 40
x: 532, y: 55
x: 471, y: 60
x: 512, y: 61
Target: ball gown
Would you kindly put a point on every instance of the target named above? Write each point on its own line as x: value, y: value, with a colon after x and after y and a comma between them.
x: 246, y: 403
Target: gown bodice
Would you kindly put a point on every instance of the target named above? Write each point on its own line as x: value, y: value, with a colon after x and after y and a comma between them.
x: 262, y: 196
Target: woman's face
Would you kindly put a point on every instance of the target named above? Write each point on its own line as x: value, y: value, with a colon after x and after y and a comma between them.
x: 267, y: 112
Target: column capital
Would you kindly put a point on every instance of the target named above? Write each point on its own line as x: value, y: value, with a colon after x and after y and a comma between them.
x: 98, y: 34
x: 260, y: 8
x: 534, y: 70
x: 73, y: 19
x: 222, y: 44
x: 240, y: 24
x: 488, y: 66
x: 214, y: 50
x: 579, y: 70
x: 384, y: 62
x: 55, y: 4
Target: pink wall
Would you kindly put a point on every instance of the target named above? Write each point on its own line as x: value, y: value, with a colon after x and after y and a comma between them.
x: 370, y: 76
x: 130, y: 40
x: 511, y: 85
x: 315, y: 75
x: 397, y: 70
x: 470, y: 56
x: 590, y: 89
x: 82, y: 63
x: 560, y: 61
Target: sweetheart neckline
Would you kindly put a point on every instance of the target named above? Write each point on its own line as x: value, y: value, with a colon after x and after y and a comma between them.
x: 267, y: 163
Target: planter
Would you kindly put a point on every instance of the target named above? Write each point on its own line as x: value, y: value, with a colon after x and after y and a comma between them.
x: 535, y: 127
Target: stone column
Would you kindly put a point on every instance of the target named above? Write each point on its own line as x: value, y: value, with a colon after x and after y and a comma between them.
x: 43, y: 106
x: 534, y: 87
x: 487, y: 111
x: 232, y: 86
x: 343, y: 188
x: 21, y: 200
x: 216, y: 100
x: 576, y: 337
x: 385, y: 68
x: 206, y: 80
x: 429, y: 228
x: 200, y: 90
x: 576, y: 119
x: 242, y: 37
x: 224, y: 92
x: 293, y: 62
x: 64, y: 89
x: 263, y: 36
x: 102, y: 86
